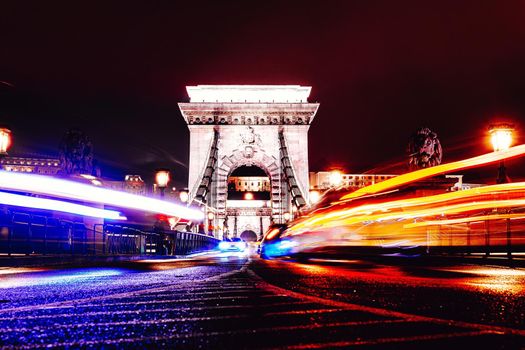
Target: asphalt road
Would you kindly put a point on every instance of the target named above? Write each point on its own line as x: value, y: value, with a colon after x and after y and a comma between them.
x: 239, y: 301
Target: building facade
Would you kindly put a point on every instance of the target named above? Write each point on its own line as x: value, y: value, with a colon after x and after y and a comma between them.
x: 322, y: 180
x: 43, y: 166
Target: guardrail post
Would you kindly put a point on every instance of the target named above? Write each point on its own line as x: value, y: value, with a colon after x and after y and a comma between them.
x: 468, y: 238
x: 103, y: 240
x: 45, y: 236
x: 28, y: 241
x: 509, y: 243
x: 487, y: 238
x: 9, y: 234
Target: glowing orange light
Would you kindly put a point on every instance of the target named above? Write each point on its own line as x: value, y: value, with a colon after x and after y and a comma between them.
x: 162, y: 177
x: 336, y: 178
x: 248, y: 196
x: 5, y: 140
x: 314, y: 196
x: 501, y: 136
x: 465, y: 220
x: 272, y: 233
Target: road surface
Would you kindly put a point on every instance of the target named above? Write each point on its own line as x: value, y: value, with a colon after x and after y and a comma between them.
x: 237, y: 300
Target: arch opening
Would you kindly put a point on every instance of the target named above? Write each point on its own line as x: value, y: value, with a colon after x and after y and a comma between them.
x: 249, y: 183
x: 249, y: 236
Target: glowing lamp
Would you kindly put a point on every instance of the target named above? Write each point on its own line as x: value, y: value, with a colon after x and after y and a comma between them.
x: 5, y: 140
x: 248, y: 196
x: 184, y: 196
x: 314, y: 196
x: 336, y: 178
x: 501, y: 136
x: 162, y: 177
x: 211, y: 215
x: 287, y: 216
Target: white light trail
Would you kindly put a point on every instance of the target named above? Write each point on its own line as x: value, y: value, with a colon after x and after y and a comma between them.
x: 51, y: 204
x: 73, y: 190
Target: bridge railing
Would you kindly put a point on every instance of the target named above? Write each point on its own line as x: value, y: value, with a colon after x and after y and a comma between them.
x: 29, y: 234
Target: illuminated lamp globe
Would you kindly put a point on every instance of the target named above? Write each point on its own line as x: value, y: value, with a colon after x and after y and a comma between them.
x: 314, y: 196
x: 184, y: 196
x: 5, y: 140
x: 211, y: 215
x: 248, y: 196
x: 162, y: 177
x: 501, y: 136
x: 336, y: 178
x: 287, y: 216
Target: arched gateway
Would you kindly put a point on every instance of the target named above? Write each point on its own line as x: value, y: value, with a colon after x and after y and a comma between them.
x: 263, y: 126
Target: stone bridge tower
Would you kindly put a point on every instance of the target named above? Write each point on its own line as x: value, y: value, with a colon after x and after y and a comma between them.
x: 263, y: 126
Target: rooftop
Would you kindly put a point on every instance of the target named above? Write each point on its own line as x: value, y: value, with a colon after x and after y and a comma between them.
x: 249, y: 93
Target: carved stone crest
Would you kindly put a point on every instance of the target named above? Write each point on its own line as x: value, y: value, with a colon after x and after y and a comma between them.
x: 250, y: 140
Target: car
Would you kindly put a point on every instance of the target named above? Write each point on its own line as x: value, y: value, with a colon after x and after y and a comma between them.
x: 271, y: 238
x: 233, y: 245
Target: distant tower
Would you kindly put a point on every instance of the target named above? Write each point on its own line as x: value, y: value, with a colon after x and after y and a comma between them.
x: 235, y: 126
x: 424, y: 149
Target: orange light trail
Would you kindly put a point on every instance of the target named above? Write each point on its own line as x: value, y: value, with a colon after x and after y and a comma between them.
x: 364, y: 212
x: 437, y: 170
x: 324, y: 223
x: 464, y: 220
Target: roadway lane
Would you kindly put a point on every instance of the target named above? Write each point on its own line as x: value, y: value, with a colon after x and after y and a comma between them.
x: 236, y: 301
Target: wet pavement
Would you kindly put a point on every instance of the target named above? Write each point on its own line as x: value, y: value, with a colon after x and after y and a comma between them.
x: 239, y: 301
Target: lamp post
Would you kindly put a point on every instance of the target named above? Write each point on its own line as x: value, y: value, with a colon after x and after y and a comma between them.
x: 162, y: 177
x: 5, y: 141
x: 501, y: 139
x: 211, y: 216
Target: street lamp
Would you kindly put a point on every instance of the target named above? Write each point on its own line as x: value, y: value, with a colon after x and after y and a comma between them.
x: 336, y: 178
x: 314, y: 196
x: 287, y: 216
x: 211, y: 216
x: 501, y: 138
x: 184, y: 196
x: 5, y: 140
x: 162, y: 177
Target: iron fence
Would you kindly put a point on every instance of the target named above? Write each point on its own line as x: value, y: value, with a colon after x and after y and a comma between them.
x: 29, y: 234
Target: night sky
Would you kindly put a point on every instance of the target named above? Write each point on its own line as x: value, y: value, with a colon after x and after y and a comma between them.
x: 380, y: 70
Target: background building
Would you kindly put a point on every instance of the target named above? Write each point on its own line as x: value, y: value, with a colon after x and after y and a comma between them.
x: 44, y: 166
x: 323, y: 180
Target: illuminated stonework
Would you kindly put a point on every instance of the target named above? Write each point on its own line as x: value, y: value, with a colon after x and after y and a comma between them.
x: 249, y: 93
x: 248, y: 125
x: 43, y: 166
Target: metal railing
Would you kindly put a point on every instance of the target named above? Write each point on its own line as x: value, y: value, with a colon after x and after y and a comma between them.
x: 29, y: 234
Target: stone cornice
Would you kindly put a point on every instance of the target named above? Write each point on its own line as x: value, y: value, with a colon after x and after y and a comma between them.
x: 248, y: 113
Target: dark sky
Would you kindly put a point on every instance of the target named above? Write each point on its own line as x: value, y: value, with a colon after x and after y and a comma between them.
x: 380, y: 69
